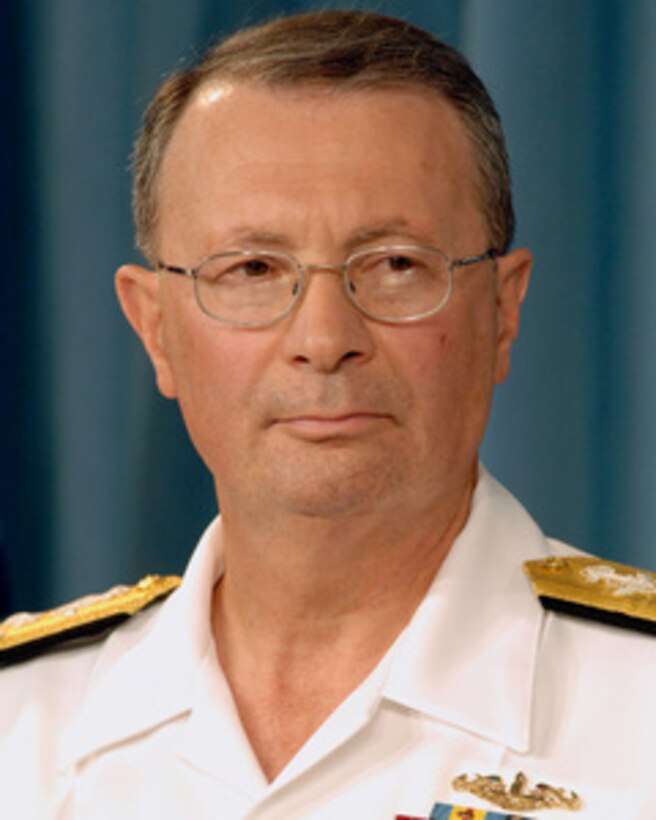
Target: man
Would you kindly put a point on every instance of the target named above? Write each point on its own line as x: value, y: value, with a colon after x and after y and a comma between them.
x: 331, y: 297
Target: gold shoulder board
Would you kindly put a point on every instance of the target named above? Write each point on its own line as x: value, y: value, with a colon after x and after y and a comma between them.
x: 27, y: 634
x: 596, y: 589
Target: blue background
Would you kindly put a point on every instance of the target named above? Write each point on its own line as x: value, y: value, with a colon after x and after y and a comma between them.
x: 98, y: 482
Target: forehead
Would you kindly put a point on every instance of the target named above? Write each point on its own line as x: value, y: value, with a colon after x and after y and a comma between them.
x: 249, y: 150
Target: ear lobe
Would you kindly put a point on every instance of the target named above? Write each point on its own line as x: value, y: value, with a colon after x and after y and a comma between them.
x: 137, y: 289
x: 513, y: 273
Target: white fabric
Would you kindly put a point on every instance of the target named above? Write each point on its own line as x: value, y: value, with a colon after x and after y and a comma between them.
x: 482, y: 681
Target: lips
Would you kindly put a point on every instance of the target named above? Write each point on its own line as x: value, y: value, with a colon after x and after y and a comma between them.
x: 322, y: 426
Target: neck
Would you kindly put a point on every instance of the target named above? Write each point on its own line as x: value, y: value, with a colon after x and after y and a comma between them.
x: 307, y: 607
x: 326, y: 568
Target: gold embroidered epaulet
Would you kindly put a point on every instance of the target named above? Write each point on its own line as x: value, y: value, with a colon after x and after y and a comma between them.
x: 28, y: 634
x: 596, y: 589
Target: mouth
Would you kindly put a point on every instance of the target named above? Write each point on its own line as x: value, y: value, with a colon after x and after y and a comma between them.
x: 320, y: 426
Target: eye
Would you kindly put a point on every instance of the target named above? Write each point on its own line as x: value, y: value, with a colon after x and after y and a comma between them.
x: 234, y: 270
x: 397, y: 267
x: 399, y: 264
x: 257, y: 268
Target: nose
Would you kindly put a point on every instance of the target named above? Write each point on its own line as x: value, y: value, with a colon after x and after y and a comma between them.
x: 326, y: 330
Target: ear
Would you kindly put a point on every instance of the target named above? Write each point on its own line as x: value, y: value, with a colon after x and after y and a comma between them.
x: 513, y: 272
x: 138, y: 292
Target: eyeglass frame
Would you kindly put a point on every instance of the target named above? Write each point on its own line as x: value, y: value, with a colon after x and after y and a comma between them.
x: 303, y: 271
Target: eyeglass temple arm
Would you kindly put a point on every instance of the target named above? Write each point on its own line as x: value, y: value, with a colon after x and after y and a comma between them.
x: 491, y: 253
x: 174, y: 269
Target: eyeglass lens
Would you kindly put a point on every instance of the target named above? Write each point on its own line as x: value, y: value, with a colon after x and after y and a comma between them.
x: 252, y: 288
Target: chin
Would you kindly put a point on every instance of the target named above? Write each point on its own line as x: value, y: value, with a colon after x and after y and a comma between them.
x: 326, y: 504
x: 335, y: 486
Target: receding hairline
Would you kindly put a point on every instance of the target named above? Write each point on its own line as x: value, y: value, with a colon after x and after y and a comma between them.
x: 339, y: 51
x: 319, y: 88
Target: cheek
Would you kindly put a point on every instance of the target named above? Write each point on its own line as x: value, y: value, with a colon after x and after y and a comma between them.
x: 453, y: 366
x: 214, y: 371
x: 205, y: 356
x: 425, y: 360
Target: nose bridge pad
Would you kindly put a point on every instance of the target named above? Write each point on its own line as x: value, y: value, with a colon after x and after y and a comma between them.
x: 324, y: 268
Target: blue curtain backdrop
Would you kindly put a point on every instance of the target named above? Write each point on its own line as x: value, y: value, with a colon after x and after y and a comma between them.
x: 98, y: 481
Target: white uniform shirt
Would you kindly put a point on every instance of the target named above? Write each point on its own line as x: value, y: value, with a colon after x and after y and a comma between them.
x: 143, y: 724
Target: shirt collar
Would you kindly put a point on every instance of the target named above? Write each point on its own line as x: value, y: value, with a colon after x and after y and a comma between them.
x: 468, y: 657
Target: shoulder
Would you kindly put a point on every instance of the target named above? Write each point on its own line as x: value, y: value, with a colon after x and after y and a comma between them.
x: 595, y: 589
x: 595, y: 667
x: 28, y: 635
x: 47, y: 659
x: 48, y: 664
x: 596, y: 652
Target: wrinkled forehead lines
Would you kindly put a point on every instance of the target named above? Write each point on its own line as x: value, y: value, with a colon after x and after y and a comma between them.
x: 202, y: 116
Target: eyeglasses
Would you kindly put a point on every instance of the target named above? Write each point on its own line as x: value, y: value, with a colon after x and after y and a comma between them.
x: 395, y: 284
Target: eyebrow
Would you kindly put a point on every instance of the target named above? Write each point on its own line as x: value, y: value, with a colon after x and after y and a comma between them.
x: 258, y: 237
x: 382, y: 230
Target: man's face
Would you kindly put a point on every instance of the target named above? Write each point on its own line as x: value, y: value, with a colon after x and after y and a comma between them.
x: 327, y: 412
